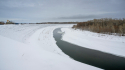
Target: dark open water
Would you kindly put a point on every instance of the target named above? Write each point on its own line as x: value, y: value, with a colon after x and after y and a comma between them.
x: 92, y: 57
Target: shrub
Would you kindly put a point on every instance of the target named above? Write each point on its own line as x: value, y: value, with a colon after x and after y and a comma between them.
x: 104, y: 25
x: 2, y: 23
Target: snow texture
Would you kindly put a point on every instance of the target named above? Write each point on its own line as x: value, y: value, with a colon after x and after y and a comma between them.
x: 32, y: 47
x: 103, y: 42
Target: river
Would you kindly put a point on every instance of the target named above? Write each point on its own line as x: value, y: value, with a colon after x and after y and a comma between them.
x: 89, y: 56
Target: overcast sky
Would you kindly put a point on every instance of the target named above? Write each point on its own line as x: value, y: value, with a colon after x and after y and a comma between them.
x: 60, y: 10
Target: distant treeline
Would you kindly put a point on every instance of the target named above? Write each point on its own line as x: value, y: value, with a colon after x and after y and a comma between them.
x: 104, y: 25
x: 10, y: 22
x: 55, y: 23
x: 2, y: 23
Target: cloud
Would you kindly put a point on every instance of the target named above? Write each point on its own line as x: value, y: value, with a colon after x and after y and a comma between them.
x: 88, y: 15
x: 12, y: 19
x: 68, y: 10
x: 19, y: 3
x: 79, y: 17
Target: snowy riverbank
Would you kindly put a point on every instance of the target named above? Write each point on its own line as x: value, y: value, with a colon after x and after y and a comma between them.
x: 32, y: 47
x: 102, y: 42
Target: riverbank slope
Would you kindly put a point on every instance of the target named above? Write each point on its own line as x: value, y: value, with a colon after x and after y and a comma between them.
x: 32, y: 47
x: 97, y: 41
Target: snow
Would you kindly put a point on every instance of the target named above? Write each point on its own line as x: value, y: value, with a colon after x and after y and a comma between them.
x: 103, y: 42
x: 32, y: 47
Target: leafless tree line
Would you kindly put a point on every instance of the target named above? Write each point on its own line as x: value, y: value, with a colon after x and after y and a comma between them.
x: 104, y: 25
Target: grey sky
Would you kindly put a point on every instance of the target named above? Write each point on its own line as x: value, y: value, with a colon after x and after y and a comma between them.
x: 60, y: 10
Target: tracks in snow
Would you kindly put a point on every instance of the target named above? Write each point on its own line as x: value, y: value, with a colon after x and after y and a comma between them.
x: 44, y: 39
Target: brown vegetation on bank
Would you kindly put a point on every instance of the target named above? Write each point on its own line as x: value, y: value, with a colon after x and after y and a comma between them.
x: 104, y: 25
x: 2, y: 23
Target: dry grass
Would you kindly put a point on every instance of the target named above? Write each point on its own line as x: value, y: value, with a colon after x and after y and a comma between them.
x: 104, y: 25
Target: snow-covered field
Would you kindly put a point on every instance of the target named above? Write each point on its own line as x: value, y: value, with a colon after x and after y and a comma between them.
x: 32, y: 47
x: 102, y: 42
